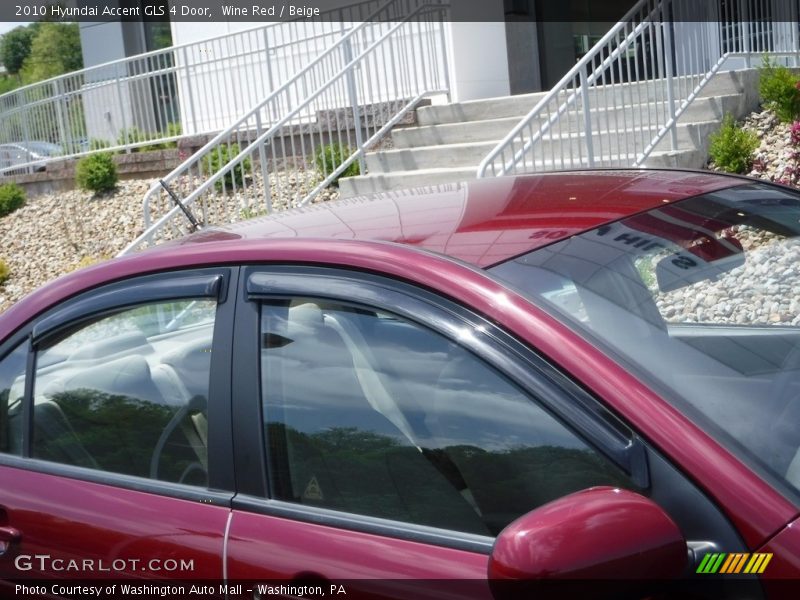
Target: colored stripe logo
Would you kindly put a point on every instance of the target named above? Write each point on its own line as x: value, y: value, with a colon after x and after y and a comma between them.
x: 733, y: 563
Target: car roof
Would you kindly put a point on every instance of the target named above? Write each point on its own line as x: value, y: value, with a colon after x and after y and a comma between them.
x: 481, y: 222
x: 485, y: 221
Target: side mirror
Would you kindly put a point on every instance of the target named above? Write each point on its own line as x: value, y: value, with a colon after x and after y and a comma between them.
x: 598, y: 534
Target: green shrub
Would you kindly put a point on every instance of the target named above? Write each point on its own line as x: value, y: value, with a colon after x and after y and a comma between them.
x: 251, y: 212
x: 12, y: 197
x: 732, y: 147
x: 5, y: 272
x: 218, y: 158
x: 174, y: 129
x: 96, y: 172
x: 97, y: 144
x: 327, y: 158
x: 133, y: 135
x: 779, y: 90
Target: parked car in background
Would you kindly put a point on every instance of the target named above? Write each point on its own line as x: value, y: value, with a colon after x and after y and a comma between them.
x: 33, y: 155
x: 486, y: 389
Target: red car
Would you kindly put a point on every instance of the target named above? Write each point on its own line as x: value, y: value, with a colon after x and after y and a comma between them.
x: 570, y: 382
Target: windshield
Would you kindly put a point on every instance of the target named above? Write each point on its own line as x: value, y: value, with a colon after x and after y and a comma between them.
x: 702, y: 299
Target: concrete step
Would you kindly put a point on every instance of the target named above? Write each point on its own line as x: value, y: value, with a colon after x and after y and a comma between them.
x: 743, y: 82
x: 428, y: 157
x: 479, y: 110
x: 625, y: 95
x: 702, y: 109
x: 369, y: 184
x: 617, y: 96
x: 609, y: 142
x: 453, y: 133
x: 398, y: 180
x: 691, y: 136
x: 691, y: 158
x: 450, y: 141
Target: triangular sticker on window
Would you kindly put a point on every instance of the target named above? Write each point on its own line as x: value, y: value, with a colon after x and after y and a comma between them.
x: 313, y: 491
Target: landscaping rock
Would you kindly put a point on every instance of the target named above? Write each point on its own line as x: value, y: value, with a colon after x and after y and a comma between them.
x: 53, y: 234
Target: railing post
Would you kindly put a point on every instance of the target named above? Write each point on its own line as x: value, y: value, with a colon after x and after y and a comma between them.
x: 263, y: 160
x: 587, y: 117
x: 63, y: 134
x: 666, y: 29
x: 353, y: 97
x: 793, y: 27
x: 190, y: 93
x: 26, y: 129
x: 445, y: 61
x: 268, y: 61
x: 122, y: 113
x: 745, y: 29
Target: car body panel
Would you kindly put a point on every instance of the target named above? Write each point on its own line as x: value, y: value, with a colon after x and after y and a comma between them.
x: 482, y: 224
x: 34, y: 154
x: 536, y: 209
x: 309, y: 552
x: 84, y: 520
x: 755, y: 508
x: 780, y: 578
x: 486, y: 221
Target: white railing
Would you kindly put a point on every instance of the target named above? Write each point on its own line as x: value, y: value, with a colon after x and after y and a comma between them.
x: 155, y: 98
x: 310, y: 130
x: 622, y: 100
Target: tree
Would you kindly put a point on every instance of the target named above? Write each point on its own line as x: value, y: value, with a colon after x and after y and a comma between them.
x: 7, y: 84
x: 55, y: 50
x: 15, y: 47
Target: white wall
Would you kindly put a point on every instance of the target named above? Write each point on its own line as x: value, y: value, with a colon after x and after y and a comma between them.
x: 478, y: 60
x: 213, y: 96
x: 109, y: 108
x: 219, y: 80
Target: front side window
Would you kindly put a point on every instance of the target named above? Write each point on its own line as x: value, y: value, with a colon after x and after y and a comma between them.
x: 368, y: 413
x: 12, y: 390
x: 128, y: 393
x: 700, y: 297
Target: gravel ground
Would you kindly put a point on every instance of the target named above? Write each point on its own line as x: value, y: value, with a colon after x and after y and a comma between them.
x: 773, y: 158
x: 57, y: 233
x: 763, y: 291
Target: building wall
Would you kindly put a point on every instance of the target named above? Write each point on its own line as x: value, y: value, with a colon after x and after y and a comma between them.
x: 477, y: 54
x: 218, y: 80
x: 111, y: 107
x: 102, y: 42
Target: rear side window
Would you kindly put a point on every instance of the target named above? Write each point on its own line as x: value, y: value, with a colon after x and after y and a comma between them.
x: 12, y: 389
x: 701, y: 299
x: 128, y: 393
x: 368, y: 413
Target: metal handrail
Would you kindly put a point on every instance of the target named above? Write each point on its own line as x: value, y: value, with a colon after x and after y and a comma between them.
x: 577, y: 71
x: 637, y: 63
x: 73, y: 109
x: 223, y: 135
x: 290, y: 124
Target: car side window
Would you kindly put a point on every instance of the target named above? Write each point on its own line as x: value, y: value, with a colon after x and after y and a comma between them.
x: 128, y: 393
x: 12, y: 390
x: 369, y: 413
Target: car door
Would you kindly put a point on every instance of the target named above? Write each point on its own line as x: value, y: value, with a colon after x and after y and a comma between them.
x: 385, y: 436
x: 115, y: 437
